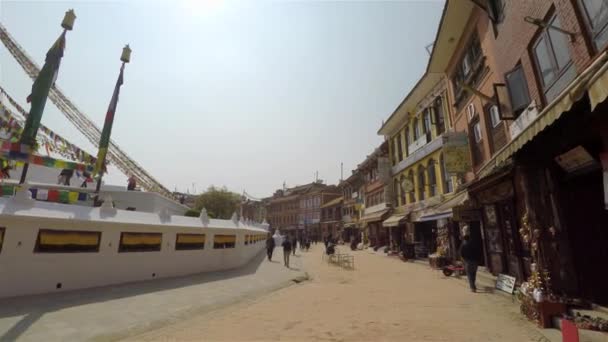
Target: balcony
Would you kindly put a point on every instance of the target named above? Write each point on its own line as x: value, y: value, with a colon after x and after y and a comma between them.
x: 417, y: 144
x: 418, y: 153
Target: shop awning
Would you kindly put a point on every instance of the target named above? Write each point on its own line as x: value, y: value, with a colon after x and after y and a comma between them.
x: 598, y: 86
x: 375, y: 216
x: 394, y: 220
x: 594, y: 79
x: 444, y: 209
x: 454, y: 201
x: 433, y: 215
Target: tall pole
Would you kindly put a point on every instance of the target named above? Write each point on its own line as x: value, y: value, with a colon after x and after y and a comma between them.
x: 104, y: 141
x: 42, y: 86
x: 341, y: 171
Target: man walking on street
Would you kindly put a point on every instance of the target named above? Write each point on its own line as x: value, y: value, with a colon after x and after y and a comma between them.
x: 469, y: 251
x: 286, y: 251
x: 269, y: 246
x: 294, y: 244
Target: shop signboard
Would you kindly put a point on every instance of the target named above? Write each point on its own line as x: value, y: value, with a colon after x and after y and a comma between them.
x: 505, y: 283
x: 456, y: 152
x: 460, y: 214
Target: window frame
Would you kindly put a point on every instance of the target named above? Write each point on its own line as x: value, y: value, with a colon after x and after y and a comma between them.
x: 446, y: 179
x: 491, y: 116
x: 438, y: 113
x: 544, y: 36
x: 432, y: 177
x: 421, y: 183
x: 477, y: 129
x: 593, y: 33
x: 517, y: 111
x: 399, y: 147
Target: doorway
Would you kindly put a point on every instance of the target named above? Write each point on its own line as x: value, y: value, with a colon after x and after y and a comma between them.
x: 587, y: 222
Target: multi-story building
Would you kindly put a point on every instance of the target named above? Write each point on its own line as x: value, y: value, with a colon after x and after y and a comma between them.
x: 416, y: 132
x: 353, y: 189
x: 527, y: 83
x: 311, y: 201
x: 331, y: 219
x: 377, y: 195
x: 253, y: 210
x: 297, y: 210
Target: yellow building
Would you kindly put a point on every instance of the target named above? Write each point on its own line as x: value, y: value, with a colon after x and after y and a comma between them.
x: 416, y: 133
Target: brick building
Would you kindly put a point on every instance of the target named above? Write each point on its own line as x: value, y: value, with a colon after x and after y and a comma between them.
x: 526, y: 79
x: 331, y: 218
x: 297, y: 210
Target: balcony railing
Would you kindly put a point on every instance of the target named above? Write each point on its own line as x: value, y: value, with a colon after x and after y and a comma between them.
x: 417, y: 144
x: 419, y: 153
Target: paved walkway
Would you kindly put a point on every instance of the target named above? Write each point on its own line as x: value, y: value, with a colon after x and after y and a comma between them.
x: 111, y: 313
x: 383, y: 299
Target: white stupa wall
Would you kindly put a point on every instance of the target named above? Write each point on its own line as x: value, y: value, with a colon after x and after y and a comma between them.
x: 24, y: 271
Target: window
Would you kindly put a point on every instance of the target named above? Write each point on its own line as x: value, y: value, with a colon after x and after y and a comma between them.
x: 596, y: 13
x: 477, y: 132
x: 140, y: 242
x: 395, y: 190
x: 194, y: 241
x: 552, y: 54
x: 439, y: 116
x: 432, y: 178
x: 471, y: 111
x: 408, y: 135
x: 518, y: 90
x: 411, y: 191
x: 494, y: 116
x: 403, y: 189
x: 468, y: 71
x: 421, y: 183
x: 66, y: 241
x: 399, y: 147
x: 224, y: 241
x: 445, y: 177
x: 393, y: 151
x: 427, y: 123
x: 416, y: 129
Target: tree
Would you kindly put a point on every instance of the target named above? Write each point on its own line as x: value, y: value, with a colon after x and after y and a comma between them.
x: 219, y: 202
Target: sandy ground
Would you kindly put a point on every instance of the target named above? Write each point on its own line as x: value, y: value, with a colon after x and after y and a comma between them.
x: 383, y: 299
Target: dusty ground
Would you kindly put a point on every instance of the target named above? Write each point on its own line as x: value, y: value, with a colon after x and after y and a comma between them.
x: 383, y: 299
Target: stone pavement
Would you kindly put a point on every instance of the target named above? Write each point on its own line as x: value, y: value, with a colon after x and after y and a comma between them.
x: 114, y: 312
x: 383, y: 299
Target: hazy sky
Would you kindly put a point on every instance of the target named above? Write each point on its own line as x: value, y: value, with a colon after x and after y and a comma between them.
x: 242, y: 94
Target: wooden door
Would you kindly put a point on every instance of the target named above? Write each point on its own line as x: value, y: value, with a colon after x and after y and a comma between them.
x: 494, y: 240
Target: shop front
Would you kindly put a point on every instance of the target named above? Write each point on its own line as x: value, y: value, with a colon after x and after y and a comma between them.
x: 543, y: 198
x: 377, y: 234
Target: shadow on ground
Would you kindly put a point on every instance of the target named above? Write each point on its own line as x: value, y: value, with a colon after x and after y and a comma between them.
x: 34, y: 307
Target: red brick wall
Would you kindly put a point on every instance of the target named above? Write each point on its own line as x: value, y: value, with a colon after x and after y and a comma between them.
x: 515, y: 36
x: 507, y: 44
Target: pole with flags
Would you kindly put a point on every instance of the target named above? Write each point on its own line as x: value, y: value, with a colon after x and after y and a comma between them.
x: 104, y: 142
x: 42, y: 86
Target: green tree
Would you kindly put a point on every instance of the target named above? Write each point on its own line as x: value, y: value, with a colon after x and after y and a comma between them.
x: 219, y: 202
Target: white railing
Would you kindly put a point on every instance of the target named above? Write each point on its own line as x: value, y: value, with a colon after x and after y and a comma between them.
x: 524, y: 120
x: 418, y: 143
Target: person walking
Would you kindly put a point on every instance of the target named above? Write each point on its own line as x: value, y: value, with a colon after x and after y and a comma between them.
x: 270, y: 247
x: 294, y: 244
x: 469, y: 252
x: 286, y: 251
